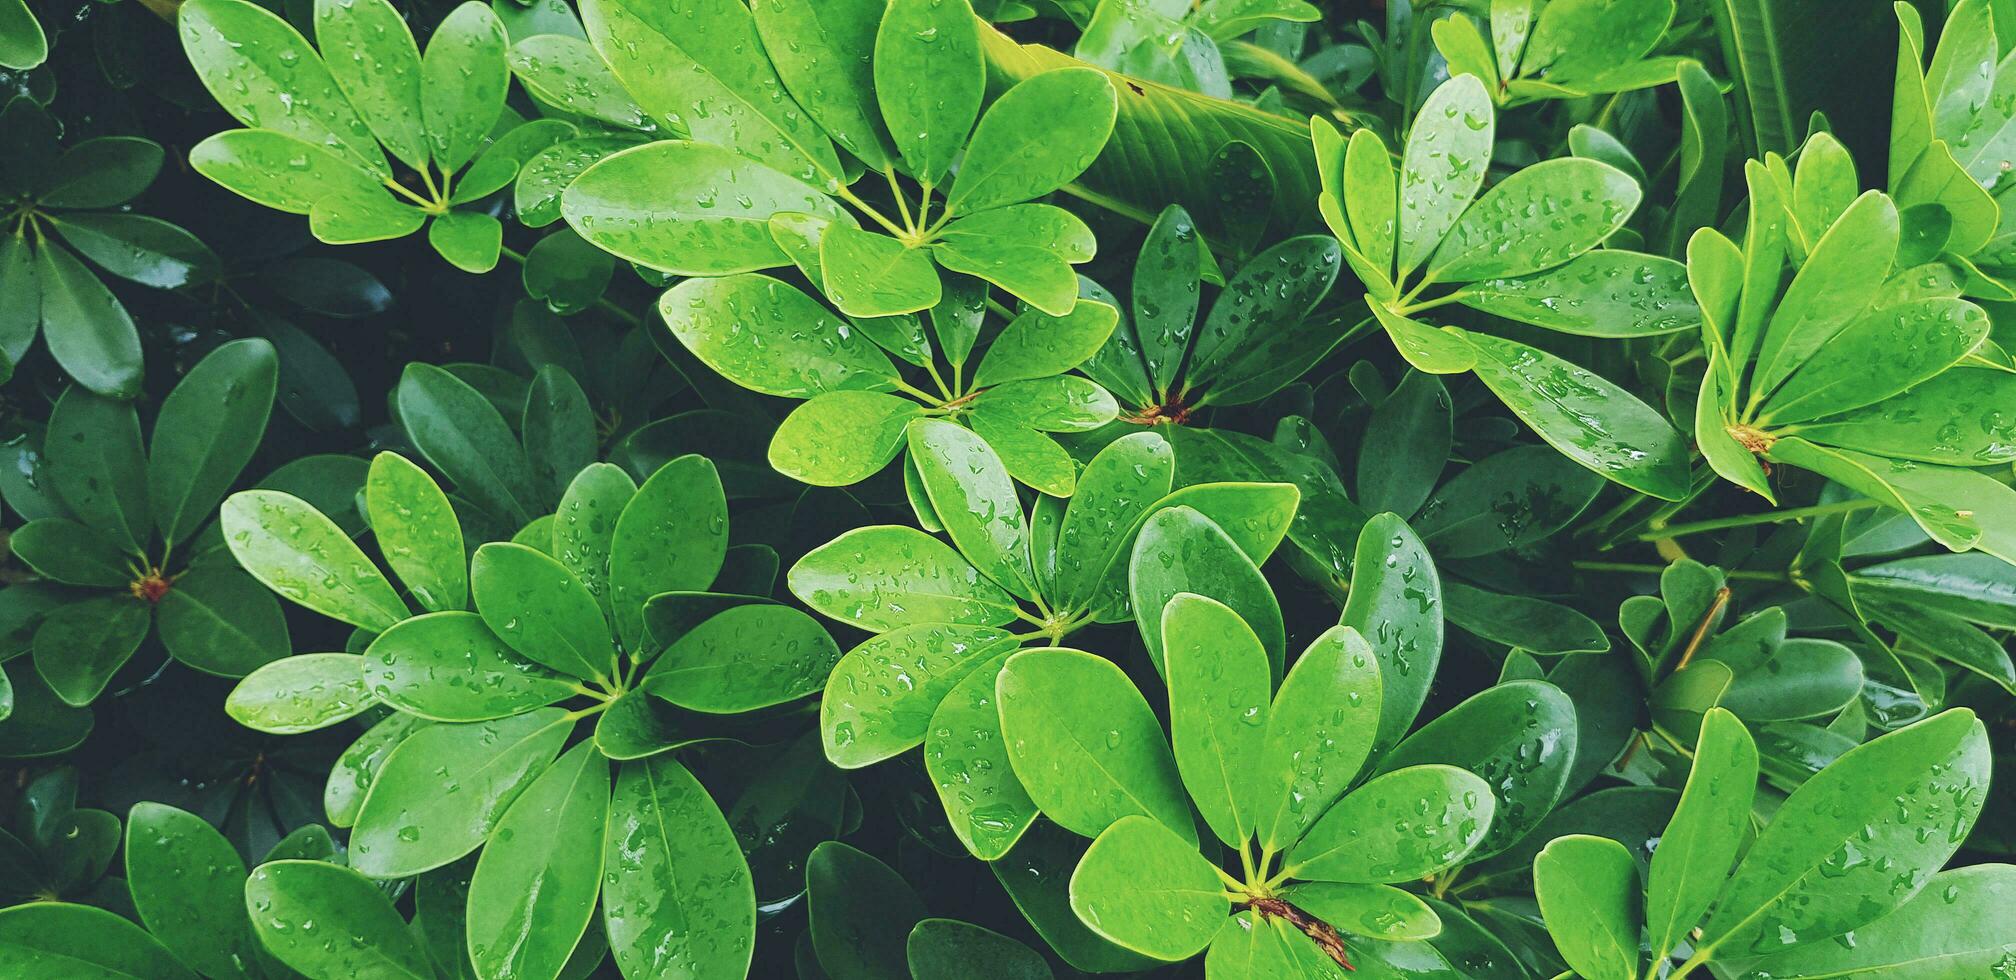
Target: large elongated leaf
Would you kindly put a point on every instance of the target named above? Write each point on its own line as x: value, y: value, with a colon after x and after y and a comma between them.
x: 208, y: 428
x: 677, y: 893
x: 534, y: 889
x: 1849, y: 844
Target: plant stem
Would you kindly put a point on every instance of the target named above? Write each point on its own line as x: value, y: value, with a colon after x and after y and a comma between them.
x: 1739, y: 575
x: 873, y: 215
x: 1775, y: 517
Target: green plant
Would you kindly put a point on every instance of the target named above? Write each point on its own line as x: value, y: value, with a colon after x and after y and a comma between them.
x: 1579, y: 561
x: 65, y: 201
x: 605, y: 605
x: 123, y: 537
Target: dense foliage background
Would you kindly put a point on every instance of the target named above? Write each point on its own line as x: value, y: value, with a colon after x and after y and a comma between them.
x: 1007, y: 488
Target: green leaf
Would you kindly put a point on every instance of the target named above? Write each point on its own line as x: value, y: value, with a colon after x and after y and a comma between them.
x: 1219, y: 692
x: 1373, y: 911
x: 860, y: 912
x: 1976, y: 587
x: 297, y: 905
x: 541, y: 610
x: 1319, y: 734
x: 378, y: 70
x: 98, y: 467
x: 1509, y: 500
x: 449, y: 666
x: 1406, y: 824
x: 967, y: 759
x: 1117, y: 488
x: 1954, y: 927
x: 701, y: 69
x: 408, y: 824
x: 1146, y: 888
x: 584, y: 535
x: 676, y: 893
x: 744, y: 658
x: 140, y: 249
x: 1519, y: 737
x: 207, y: 430
x: 947, y: 949
x: 1560, y: 209
x: 1448, y: 150
x: 1026, y: 249
x: 469, y: 240
x: 1029, y: 456
x: 357, y: 768
x: 768, y: 336
x: 199, y: 917
x: 458, y: 431
x: 708, y: 208
x: 1085, y: 744
x: 671, y: 537
x: 868, y: 274
x: 463, y: 78
x: 1944, y: 420
x: 57, y: 939
x: 534, y: 888
x: 940, y: 41
x: 1848, y: 845
x: 266, y: 76
x: 71, y: 553
x: 79, y: 646
x: 824, y: 53
x: 1879, y: 354
x: 879, y: 578
x: 1701, y: 842
x: 565, y: 71
x: 881, y: 695
x: 418, y: 533
x: 1406, y: 447
x: 1839, y: 278
x: 840, y: 438
x: 1037, y: 345
x: 1932, y: 495
x: 1279, y: 286
x: 1181, y: 550
x: 1588, y: 890
x: 297, y: 552
x: 220, y: 621
x: 88, y: 332
x: 1587, y: 418
x: 23, y: 45
x: 975, y: 500
x: 1605, y: 293
x: 1164, y: 293
x: 300, y: 694
x: 1394, y: 605
x: 1038, y: 136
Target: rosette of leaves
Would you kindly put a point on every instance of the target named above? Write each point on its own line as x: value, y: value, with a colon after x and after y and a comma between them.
x: 52, y: 850
x: 1263, y: 330
x: 324, y: 133
x: 786, y: 104
x: 1560, y: 49
x: 1836, y: 346
x: 1856, y: 844
x: 597, y: 624
x: 1692, y: 655
x: 771, y: 337
x: 1525, y: 250
x: 1176, y: 43
x: 1271, y: 772
x: 941, y: 611
x: 1950, y: 149
x: 60, y: 203
x: 122, y: 535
